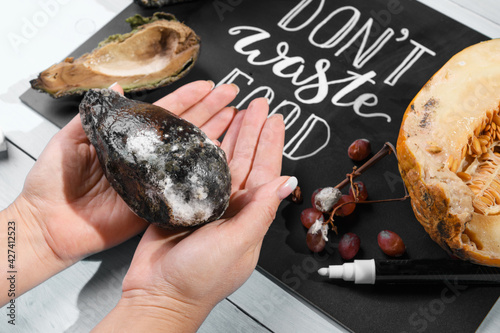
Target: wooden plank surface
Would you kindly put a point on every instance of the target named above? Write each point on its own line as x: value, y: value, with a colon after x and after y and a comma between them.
x: 272, y: 305
x: 470, y: 13
x: 14, y: 166
x: 76, y: 299
x: 485, y: 9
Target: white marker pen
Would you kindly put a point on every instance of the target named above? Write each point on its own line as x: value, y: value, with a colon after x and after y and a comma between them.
x: 419, y: 271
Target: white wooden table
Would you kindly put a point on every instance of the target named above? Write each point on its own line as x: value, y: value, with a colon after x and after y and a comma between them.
x: 76, y: 299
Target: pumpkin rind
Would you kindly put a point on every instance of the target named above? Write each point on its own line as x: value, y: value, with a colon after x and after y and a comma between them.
x: 437, y: 125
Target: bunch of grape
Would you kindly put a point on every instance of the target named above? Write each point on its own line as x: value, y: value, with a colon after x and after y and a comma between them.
x: 332, y: 202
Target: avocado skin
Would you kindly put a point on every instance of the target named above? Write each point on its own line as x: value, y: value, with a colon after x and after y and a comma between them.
x: 179, y: 156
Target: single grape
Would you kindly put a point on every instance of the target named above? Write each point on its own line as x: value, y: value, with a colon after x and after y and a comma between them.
x: 316, y: 236
x: 349, y: 245
x: 325, y: 199
x: 359, y: 149
x: 361, y: 190
x: 309, y: 215
x: 346, y: 209
x: 313, y: 196
x: 315, y: 242
x: 390, y: 243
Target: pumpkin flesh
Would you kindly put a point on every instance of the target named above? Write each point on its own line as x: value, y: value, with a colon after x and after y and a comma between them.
x: 452, y: 180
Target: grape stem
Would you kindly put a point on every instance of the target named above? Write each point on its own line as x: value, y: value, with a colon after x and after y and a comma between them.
x: 387, y: 149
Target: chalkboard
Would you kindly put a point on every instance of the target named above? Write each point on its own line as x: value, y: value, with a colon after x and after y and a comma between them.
x: 338, y: 71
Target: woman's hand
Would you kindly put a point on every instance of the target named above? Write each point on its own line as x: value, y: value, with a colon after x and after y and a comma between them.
x: 68, y: 210
x: 177, y: 277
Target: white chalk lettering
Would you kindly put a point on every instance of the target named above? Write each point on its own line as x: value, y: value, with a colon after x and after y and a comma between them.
x: 362, y: 56
x: 290, y: 117
x: 246, y: 41
x: 405, y: 34
x: 383, y: 17
x: 316, y: 86
x: 412, y: 58
x: 364, y: 99
x: 339, y: 35
x: 312, y: 123
x: 285, y: 21
x: 340, y: 30
x: 233, y: 75
x: 269, y: 94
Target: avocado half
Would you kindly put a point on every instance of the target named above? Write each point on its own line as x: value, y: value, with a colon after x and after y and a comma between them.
x: 158, y: 51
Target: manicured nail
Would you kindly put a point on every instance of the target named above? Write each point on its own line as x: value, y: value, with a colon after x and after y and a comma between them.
x: 237, y: 88
x: 114, y: 84
x: 277, y: 116
x: 287, y: 188
x: 212, y: 84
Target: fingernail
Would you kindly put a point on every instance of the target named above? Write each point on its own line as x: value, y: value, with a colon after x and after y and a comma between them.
x: 276, y: 122
x: 287, y: 188
x: 212, y: 84
x: 114, y: 84
x: 237, y: 88
x: 277, y: 116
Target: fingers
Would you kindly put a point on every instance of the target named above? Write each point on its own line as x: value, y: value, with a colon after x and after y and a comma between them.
x: 154, y: 246
x: 219, y: 123
x: 211, y: 104
x: 231, y: 136
x: 259, y: 210
x: 245, y: 146
x: 198, y: 102
x: 185, y: 97
x: 162, y: 239
x: 73, y: 131
x: 267, y: 162
x: 116, y: 87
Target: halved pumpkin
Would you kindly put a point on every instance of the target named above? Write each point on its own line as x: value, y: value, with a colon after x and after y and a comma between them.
x: 449, y: 154
x: 158, y: 51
